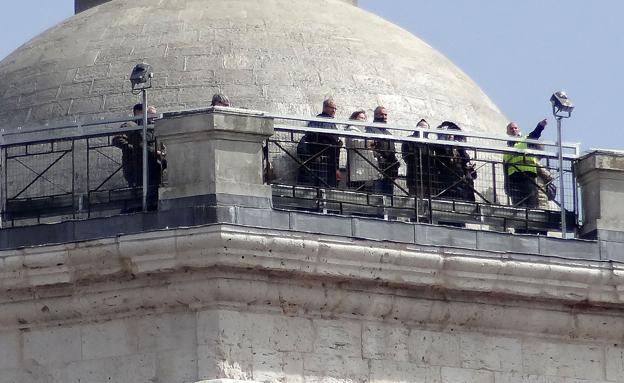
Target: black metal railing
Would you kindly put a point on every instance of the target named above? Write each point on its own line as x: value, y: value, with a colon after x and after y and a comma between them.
x: 425, y: 175
x: 72, y: 175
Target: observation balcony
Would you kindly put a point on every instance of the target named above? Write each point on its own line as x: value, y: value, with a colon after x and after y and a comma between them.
x: 227, y: 165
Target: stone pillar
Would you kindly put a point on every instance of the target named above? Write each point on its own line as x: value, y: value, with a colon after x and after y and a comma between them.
x: 214, y: 158
x: 601, y: 178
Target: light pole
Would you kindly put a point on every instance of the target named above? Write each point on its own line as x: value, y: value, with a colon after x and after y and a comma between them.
x: 562, y: 108
x: 141, y: 80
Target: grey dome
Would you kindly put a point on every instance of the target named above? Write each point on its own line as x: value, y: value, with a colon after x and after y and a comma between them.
x: 281, y: 56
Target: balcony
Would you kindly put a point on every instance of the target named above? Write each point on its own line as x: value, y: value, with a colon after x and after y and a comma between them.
x: 434, y: 176
x: 243, y: 167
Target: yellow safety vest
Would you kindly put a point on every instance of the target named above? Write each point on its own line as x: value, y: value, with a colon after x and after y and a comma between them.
x: 517, y: 162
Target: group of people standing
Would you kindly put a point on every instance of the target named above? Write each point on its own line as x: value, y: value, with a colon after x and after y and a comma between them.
x: 433, y: 169
x: 373, y: 164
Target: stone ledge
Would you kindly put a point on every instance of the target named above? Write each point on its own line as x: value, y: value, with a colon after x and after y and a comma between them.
x: 318, y: 257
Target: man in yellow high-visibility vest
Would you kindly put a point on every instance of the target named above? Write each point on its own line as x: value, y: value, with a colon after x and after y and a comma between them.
x: 521, y: 169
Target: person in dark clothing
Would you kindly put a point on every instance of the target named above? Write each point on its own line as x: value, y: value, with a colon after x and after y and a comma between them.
x: 456, y: 173
x: 319, y: 152
x: 131, y: 145
x: 219, y: 99
x: 417, y: 158
x: 385, y: 153
x: 521, y: 169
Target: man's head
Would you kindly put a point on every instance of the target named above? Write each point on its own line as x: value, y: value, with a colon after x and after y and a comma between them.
x: 219, y: 99
x: 513, y: 129
x: 329, y: 107
x: 381, y: 115
x: 423, y: 124
x: 137, y: 109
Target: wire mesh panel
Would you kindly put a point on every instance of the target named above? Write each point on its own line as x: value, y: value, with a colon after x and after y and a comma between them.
x: 77, y: 177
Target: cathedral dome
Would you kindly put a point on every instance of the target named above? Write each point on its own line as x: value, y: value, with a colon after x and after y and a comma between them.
x: 280, y: 56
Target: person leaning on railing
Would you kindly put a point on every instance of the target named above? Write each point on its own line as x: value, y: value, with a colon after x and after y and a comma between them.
x: 131, y: 145
x: 385, y: 153
x: 521, y: 169
x: 417, y: 159
x: 457, y: 173
x: 362, y: 173
x: 319, y: 152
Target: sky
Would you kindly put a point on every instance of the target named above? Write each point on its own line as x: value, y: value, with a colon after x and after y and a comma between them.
x: 518, y: 52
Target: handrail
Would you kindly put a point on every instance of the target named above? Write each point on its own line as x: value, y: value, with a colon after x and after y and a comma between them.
x: 504, y: 149
x: 496, y: 137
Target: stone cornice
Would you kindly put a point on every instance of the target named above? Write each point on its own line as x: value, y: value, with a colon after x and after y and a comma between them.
x: 315, y: 257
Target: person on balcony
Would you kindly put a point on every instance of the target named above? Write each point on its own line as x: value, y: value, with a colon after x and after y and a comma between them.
x: 361, y: 162
x: 521, y: 169
x: 131, y: 145
x: 318, y: 152
x: 417, y: 157
x: 456, y: 172
x: 385, y: 153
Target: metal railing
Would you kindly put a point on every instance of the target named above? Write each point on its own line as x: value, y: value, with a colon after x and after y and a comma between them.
x: 63, y: 173
x: 421, y: 175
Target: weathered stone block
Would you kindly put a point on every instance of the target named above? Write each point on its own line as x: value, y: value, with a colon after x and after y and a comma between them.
x: 43, y: 346
x: 438, y: 235
x: 385, y: 342
x: 321, y: 224
x: 10, y: 350
x: 167, y: 332
x: 383, y: 371
x: 110, y: 339
x: 505, y: 242
x: 129, y: 368
x: 615, y: 363
x: 335, y: 337
x: 177, y: 365
x: 274, y: 366
x: 383, y: 230
x: 434, y: 348
x: 463, y: 375
x: 490, y: 353
x: 334, y: 368
x: 561, y: 359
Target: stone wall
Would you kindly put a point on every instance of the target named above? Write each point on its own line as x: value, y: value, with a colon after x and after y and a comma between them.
x: 227, y: 302
x: 209, y: 344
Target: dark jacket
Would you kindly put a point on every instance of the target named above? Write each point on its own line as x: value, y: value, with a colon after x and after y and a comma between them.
x: 131, y: 145
x: 319, y: 154
x: 456, y: 175
x: 421, y: 171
